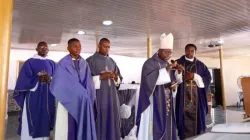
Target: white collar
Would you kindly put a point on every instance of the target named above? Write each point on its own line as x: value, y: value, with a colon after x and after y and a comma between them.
x: 36, y: 56
x: 191, y: 60
x: 75, y: 59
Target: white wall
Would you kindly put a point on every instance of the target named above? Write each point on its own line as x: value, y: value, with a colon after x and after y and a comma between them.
x: 233, y: 68
x: 131, y: 69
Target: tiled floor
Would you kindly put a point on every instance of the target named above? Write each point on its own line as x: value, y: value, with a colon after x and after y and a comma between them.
x: 231, y: 115
x: 217, y: 116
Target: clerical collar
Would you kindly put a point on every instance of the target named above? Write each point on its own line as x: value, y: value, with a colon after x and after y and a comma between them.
x: 75, y: 59
x: 104, y: 55
x: 36, y: 56
x: 191, y: 60
x: 99, y: 54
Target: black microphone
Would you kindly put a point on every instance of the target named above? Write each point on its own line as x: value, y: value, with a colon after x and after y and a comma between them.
x: 172, y: 61
x: 175, y: 64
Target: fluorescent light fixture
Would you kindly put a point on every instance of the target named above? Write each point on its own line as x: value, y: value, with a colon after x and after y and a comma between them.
x: 81, y: 32
x: 221, y: 41
x: 107, y: 22
x: 53, y: 45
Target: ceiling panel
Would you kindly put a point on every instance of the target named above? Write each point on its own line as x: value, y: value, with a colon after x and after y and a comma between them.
x: 191, y: 21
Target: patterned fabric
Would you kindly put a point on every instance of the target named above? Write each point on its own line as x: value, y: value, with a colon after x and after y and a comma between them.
x: 125, y: 96
x: 168, y: 100
x: 190, y: 102
x: 12, y: 106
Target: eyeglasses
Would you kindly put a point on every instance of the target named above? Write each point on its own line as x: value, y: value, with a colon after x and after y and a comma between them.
x: 166, y: 51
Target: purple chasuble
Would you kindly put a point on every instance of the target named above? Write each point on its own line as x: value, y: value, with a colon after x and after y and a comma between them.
x: 164, y: 126
x: 40, y: 104
x: 191, y: 101
x: 73, y: 87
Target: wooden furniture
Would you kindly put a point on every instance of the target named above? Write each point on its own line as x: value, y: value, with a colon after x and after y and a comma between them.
x: 209, y: 100
x: 12, y: 106
x: 245, y: 82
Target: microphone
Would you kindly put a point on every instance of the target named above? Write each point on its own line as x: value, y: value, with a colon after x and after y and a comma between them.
x: 172, y: 61
x: 175, y: 64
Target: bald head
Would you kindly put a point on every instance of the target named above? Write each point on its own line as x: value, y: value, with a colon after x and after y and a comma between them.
x: 42, y: 43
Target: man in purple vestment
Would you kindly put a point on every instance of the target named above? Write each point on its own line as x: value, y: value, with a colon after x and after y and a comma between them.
x: 32, y: 94
x: 155, y: 115
x: 73, y: 87
x: 191, y: 99
x: 106, y: 76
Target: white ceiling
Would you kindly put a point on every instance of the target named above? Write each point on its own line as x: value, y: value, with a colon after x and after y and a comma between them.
x: 191, y: 21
